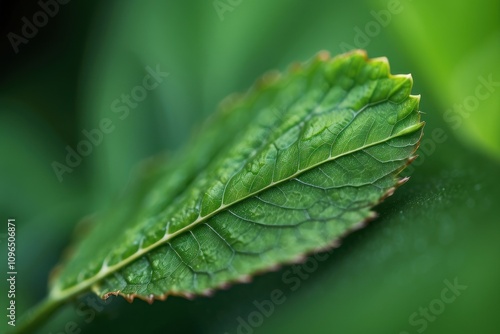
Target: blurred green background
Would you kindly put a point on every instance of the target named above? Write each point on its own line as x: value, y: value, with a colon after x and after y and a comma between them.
x: 439, y: 227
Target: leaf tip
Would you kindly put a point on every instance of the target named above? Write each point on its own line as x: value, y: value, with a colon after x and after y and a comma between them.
x: 359, y: 52
x: 388, y: 193
x: 402, y: 181
x: 380, y: 60
x: 416, y: 97
x: 323, y: 55
x: 268, y: 79
x: 412, y: 158
x: 295, y: 67
x: 150, y: 299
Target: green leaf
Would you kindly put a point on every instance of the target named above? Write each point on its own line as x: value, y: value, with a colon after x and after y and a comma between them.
x: 284, y: 170
x: 466, y: 79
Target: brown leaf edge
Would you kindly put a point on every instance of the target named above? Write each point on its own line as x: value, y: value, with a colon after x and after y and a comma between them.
x: 266, y: 80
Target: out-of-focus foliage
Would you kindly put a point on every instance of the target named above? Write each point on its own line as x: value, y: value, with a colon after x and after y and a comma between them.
x: 443, y: 227
x: 456, y: 46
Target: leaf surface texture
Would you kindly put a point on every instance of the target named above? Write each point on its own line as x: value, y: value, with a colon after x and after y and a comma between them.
x: 283, y: 170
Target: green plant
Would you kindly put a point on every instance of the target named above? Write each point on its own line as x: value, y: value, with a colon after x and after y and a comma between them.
x: 284, y: 170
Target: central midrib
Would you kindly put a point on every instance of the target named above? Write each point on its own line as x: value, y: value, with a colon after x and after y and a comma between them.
x: 57, y: 294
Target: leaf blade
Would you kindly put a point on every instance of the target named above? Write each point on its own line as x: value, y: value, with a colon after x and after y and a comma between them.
x: 332, y: 134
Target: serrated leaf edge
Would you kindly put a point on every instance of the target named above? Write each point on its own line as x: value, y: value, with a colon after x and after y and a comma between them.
x: 267, y: 79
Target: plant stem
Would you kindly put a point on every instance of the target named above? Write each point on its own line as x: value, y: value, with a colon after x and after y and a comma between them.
x: 36, y: 316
